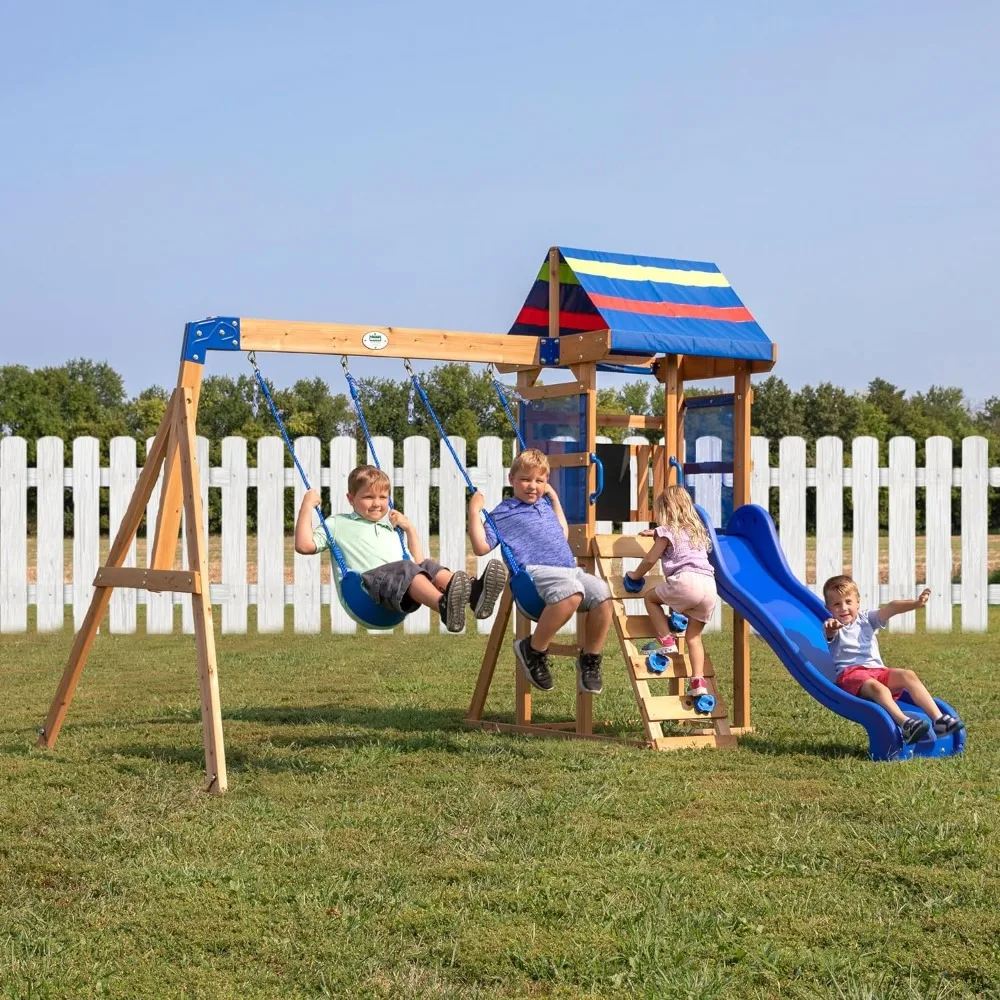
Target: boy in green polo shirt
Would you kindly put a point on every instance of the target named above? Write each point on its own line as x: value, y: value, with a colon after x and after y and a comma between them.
x: 367, y: 537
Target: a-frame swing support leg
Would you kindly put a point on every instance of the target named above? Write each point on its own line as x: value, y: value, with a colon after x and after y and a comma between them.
x: 174, y: 448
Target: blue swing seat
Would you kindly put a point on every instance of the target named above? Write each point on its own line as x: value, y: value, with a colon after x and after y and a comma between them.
x: 526, y: 595
x: 360, y: 605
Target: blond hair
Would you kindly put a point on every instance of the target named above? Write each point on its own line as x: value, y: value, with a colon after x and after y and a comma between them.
x: 675, y: 510
x: 529, y: 459
x: 841, y: 585
x: 367, y: 475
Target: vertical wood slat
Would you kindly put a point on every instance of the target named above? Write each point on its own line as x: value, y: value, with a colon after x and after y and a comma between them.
x: 937, y: 504
x: 864, y: 491
x: 159, y: 606
x: 829, y: 510
x: 633, y: 606
x: 975, y: 541
x: 343, y: 458
x: 123, y: 475
x: 13, y: 534
x: 307, y: 614
x: 234, y: 535
x: 451, y: 515
x: 187, y: 608
x: 708, y: 491
x: 902, y: 528
x: 490, y: 464
x: 86, y: 522
x: 49, y: 552
x: 416, y: 506
x: 270, y: 534
x: 792, y: 503
x: 760, y: 473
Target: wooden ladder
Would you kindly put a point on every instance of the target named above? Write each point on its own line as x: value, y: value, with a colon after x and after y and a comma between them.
x: 670, y: 703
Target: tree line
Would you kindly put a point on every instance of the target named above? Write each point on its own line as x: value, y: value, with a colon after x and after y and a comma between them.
x: 85, y: 397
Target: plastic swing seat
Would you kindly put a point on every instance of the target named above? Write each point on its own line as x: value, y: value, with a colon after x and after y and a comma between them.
x: 526, y: 595
x: 358, y: 602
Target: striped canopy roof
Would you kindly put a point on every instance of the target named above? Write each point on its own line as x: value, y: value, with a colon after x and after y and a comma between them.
x: 651, y: 305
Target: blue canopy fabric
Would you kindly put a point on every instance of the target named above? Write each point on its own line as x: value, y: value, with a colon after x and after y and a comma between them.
x: 651, y: 305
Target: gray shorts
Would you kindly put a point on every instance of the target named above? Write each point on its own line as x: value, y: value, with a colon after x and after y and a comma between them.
x: 387, y: 584
x: 556, y: 583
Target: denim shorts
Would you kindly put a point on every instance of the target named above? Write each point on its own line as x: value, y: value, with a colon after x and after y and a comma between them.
x: 388, y: 584
x: 556, y: 583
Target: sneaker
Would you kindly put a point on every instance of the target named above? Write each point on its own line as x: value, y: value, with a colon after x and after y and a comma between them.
x: 588, y: 673
x: 697, y: 686
x: 667, y: 648
x: 914, y: 730
x: 451, y: 607
x: 534, y: 663
x: 485, y: 590
x: 947, y: 724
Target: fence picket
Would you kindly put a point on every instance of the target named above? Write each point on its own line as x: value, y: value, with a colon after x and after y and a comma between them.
x: 792, y: 503
x: 159, y: 606
x: 307, y: 615
x: 451, y: 514
x: 829, y: 509
x: 760, y: 472
x: 975, y: 541
x: 491, y: 482
x: 343, y: 458
x: 13, y: 534
x: 50, y: 558
x: 416, y: 506
x: 902, y: 528
x: 937, y: 504
x: 86, y: 522
x: 234, y: 535
x: 864, y: 491
x: 122, y: 457
x: 270, y: 534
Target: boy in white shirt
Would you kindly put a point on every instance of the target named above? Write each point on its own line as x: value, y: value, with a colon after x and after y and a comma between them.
x: 860, y: 670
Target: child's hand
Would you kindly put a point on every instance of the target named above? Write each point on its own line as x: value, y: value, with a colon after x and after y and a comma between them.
x: 476, y: 503
x: 549, y: 491
x: 398, y: 520
x: 311, y: 499
x: 831, y: 626
x: 647, y: 532
x: 924, y: 597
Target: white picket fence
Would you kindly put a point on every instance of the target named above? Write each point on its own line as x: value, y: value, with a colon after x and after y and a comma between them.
x: 51, y: 593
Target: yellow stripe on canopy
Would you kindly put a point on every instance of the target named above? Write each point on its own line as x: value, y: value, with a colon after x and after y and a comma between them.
x: 643, y: 272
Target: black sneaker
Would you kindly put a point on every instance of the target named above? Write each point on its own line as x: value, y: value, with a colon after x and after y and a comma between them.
x: 588, y: 673
x: 914, y: 730
x: 485, y: 590
x: 451, y: 607
x: 947, y: 724
x: 535, y: 664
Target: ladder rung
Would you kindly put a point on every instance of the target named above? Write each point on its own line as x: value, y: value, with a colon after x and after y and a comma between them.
x: 674, y: 707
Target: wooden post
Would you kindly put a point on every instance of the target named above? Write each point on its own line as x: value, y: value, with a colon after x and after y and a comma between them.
x: 84, y: 639
x: 743, y: 399
x: 211, y: 709
x: 168, y: 517
x: 671, y: 413
x: 490, y: 656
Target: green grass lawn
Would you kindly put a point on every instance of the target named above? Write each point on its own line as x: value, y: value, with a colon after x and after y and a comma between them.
x: 371, y: 847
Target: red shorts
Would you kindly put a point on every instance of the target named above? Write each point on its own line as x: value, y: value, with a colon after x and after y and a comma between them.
x: 852, y: 678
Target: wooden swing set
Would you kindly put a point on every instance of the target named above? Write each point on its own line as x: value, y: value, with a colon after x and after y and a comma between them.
x: 173, y: 451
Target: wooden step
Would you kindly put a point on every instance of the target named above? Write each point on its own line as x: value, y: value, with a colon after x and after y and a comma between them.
x: 622, y: 546
x: 619, y: 592
x: 635, y: 626
x: 677, y: 708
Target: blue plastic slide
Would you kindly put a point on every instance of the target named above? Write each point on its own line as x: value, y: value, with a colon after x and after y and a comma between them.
x: 754, y: 578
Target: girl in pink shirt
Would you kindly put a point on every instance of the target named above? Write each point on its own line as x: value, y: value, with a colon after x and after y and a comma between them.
x: 688, y: 585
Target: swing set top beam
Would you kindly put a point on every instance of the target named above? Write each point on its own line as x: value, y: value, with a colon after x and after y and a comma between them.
x: 236, y: 334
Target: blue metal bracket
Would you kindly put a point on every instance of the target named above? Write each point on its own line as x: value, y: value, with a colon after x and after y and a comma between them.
x: 218, y: 333
x: 548, y: 352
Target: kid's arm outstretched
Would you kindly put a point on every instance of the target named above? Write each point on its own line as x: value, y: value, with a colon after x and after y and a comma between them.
x: 304, y: 543
x: 886, y: 611
x: 477, y: 533
x: 652, y: 557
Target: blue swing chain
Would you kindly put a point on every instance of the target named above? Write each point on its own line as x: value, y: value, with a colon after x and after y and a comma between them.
x: 355, y: 396
x: 334, y: 548
x: 503, y: 393
x: 505, y: 549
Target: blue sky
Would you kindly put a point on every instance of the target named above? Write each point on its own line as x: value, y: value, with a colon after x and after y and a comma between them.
x: 409, y: 164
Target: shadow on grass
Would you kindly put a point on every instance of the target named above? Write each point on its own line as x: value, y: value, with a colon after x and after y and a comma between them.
x: 778, y: 747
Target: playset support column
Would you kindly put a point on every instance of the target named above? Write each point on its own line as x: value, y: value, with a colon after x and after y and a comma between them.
x: 742, y: 401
